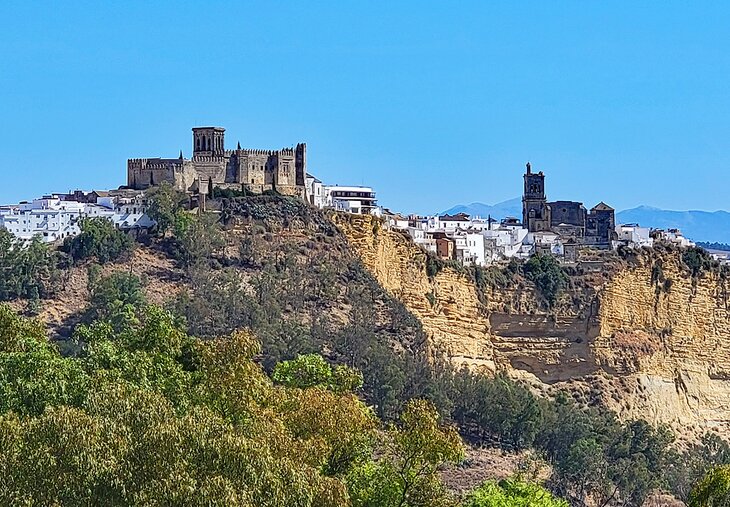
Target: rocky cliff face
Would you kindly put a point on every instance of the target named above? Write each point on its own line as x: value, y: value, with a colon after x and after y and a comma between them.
x: 641, y: 346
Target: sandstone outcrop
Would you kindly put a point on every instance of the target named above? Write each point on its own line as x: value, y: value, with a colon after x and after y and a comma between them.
x: 655, y: 351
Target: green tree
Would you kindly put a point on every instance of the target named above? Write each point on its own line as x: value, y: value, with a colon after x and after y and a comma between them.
x: 547, y: 274
x: 688, y: 468
x: 27, y: 269
x: 498, y: 407
x: 165, y: 203
x: 713, y: 490
x: 115, y: 298
x: 512, y: 493
x: 697, y: 260
x: 413, y: 451
x: 197, y: 237
x: 98, y: 239
x: 312, y: 370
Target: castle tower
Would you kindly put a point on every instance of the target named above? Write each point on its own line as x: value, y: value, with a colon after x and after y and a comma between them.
x: 208, y: 141
x: 300, y: 163
x: 535, y: 212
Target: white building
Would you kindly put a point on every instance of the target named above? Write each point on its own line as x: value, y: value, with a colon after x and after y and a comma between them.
x: 634, y: 236
x: 422, y: 238
x: 49, y: 217
x: 354, y: 199
x: 672, y: 236
x: 474, y: 249
x: 314, y: 191
x: 545, y: 242
x: 451, y: 223
x: 54, y: 219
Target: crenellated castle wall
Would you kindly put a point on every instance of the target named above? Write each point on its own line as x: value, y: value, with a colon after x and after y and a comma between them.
x: 253, y: 169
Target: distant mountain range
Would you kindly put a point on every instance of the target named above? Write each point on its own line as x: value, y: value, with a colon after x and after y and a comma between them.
x: 697, y: 225
x: 510, y: 208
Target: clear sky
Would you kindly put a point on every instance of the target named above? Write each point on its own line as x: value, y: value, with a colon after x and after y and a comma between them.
x: 432, y: 103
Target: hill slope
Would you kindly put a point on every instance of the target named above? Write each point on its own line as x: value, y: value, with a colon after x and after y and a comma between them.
x: 619, y: 337
x: 305, y: 281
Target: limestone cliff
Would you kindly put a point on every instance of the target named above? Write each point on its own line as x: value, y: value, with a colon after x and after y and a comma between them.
x: 659, y: 351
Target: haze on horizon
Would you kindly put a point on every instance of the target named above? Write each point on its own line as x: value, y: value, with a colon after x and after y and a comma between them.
x: 432, y: 105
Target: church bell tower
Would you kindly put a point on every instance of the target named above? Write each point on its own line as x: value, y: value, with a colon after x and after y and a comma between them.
x: 535, y: 212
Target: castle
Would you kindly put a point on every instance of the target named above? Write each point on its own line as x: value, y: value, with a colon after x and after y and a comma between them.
x: 213, y: 166
x: 567, y: 219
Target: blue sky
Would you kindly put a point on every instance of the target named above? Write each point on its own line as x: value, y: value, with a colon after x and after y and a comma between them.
x: 433, y: 103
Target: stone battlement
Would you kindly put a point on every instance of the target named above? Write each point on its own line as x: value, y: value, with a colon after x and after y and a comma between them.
x: 283, y: 170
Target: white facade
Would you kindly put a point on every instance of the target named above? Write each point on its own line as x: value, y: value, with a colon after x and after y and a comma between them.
x: 49, y: 218
x: 314, y: 191
x: 673, y: 236
x: 548, y: 242
x: 474, y: 249
x: 398, y: 221
x: 422, y: 238
x: 354, y: 199
x: 54, y: 219
x: 634, y: 236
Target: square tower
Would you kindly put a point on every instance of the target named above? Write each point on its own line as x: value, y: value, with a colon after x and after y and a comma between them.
x: 209, y: 141
x: 535, y: 211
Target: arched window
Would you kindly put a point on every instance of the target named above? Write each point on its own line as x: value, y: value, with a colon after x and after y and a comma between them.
x: 197, y: 144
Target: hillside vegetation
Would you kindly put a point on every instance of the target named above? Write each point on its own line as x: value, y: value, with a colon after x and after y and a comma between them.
x: 247, y: 357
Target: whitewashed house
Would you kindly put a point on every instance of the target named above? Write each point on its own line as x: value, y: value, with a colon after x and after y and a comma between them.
x: 451, y: 223
x: 314, y: 191
x: 353, y: 199
x: 53, y: 218
x: 672, y: 236
x: 634, y: 236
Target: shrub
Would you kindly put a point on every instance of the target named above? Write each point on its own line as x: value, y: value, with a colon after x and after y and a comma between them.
x: 197, y: 238
x: 311, y: 370
x: 100, y: 239
x: 545, y: 272
x: 697, y: 260
x: 114, y: 298
x: 512, y: 493
x: 27, y: 270
x: 713, y: 490
x: 165, y: 203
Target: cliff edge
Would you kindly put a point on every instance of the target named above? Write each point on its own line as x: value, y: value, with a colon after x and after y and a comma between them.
x: 641, y: 334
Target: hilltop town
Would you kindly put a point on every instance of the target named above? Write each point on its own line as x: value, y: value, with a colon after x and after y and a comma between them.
x: 560, y: 228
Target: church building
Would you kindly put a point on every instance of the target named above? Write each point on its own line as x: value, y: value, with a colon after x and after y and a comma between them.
x: 568, y: 219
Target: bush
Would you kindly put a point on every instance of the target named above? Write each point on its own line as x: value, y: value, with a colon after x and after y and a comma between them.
x: 498, y: 407
x: 713, y: 490
x: 311, y: 370
x: 99, y: 239
x: 512, y: 493
x: 165, y: 203
x: 114, y: 298
x: 27, y: 270
x: 697, y: 260
x: 197, y: 238
x: 545, y: 272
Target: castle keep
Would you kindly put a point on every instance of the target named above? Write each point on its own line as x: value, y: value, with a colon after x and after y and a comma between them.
x: 213, y: 166
x: 568, y: 219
